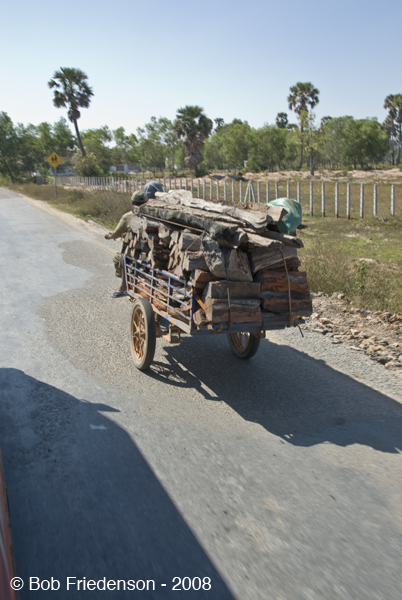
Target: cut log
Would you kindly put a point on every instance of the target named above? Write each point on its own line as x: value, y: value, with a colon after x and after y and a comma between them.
x: 164, y: 233
x: 286, y: 239
x: 153, y: 239
x: 276, y: 213
x: 224, y: 263
x: 150, y: 226
x: 261, y: 258
x: 174, y: 238
x: 194, y: 260
x: 258, y: 241
x: 237, y: 266
x: 257, y: 220
x: 200, y: 318
x: 279, y: 281
x: 239, y: 311
x: 199, y: 279
x: 190, y: 241
x: 236, y: 290
x: 281, y: 305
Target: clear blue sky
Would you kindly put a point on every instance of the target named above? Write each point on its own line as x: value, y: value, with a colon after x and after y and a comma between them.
x: 235, y: 59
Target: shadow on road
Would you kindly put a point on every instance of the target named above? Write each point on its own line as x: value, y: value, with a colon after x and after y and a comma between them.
x: 291, y: 394
x: 84, y: 501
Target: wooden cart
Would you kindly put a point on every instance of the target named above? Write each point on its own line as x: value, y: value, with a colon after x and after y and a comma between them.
x: 156, y: 293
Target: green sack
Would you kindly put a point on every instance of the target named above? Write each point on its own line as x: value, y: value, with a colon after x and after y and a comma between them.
x: 291, y: 221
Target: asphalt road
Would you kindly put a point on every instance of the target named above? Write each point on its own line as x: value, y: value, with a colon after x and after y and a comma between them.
x: 277, y: 478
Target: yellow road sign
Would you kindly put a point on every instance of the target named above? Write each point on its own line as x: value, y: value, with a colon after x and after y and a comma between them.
x: 54, y: 159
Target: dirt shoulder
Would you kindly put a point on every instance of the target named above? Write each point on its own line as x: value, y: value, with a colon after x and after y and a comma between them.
x: 377, y: 334
x: 375, y: 175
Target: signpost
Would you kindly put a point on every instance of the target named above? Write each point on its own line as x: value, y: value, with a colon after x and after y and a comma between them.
x: 54, y: 159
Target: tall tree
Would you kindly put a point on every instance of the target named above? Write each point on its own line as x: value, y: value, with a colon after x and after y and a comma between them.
x: 393, y: 103
x: 302, y: 97
x: 194, y: 127
x: 389, y: 127
x: 281, y: 120
x: 157, y: 143
x: 72, y: 92
x: 97, y: 142
x: 126, y: 147
x: 8, y: 146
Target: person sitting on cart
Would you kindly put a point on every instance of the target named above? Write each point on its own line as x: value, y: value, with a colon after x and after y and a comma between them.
x: 123, y: 226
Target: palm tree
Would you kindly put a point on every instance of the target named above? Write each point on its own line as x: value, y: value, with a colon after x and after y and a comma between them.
x: 302, y: 97
x: 393, y: 103
x: 73, y: 93
x: 281, y: 120
x: 194, y: 126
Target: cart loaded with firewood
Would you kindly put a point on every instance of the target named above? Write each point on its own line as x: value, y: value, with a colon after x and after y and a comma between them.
x: 200, y: 268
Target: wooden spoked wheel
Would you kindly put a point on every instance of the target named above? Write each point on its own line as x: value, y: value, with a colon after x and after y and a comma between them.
x: 142, y: 334
x: 243, y: 345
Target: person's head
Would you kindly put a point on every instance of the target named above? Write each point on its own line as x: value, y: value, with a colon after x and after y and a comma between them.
x: 138, y: 198
x: 151, y: 188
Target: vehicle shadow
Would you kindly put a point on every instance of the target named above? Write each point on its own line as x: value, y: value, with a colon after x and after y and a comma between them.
x: 292, y: 395
x: 84, y: 501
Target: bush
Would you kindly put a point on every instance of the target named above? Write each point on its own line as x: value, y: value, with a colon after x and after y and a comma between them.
x: 201, y: 170
x: 88, y: 166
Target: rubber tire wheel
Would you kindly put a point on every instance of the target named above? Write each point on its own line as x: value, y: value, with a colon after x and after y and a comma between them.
x: 249, y: 350
x: 143, y: 317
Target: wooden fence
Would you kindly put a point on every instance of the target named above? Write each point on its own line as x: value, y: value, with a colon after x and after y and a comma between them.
x: 333, y: 198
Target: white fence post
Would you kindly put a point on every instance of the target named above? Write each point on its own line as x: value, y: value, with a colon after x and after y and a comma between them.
x: 336, y: 199
x: 361, y: 200
x: 241, y: 191
x: 276, y: 189
x: 288, y: 189
x: 393, y: 200
x: 233, y: 190
x: 258, y: 192
x: 298, y: 191
x: 203, y: 189
x: 348, y: 200
x: 375, y: 199
x: 311, y: 199
x: 225, y: 191
x: 175, y: 183
x: 323, y: 199
x: 211, y: 189
x: 217, y: 190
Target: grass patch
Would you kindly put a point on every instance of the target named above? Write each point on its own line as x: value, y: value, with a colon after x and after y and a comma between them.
x: 362, y: 258
x: 104, y: 207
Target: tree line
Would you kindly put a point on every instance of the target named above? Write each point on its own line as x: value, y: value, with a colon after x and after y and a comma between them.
x: 197, y: 142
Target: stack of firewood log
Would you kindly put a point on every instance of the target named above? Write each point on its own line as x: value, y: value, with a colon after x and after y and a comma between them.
x: 239, y: 265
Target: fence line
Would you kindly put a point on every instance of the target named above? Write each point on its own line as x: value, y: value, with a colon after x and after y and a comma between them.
x: 132, y: 184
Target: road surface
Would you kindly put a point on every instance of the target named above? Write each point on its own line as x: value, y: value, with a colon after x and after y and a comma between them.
x: 276, y: 478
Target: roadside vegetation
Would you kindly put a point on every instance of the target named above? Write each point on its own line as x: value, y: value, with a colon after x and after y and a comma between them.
x: 195, y: 142
x: 359, y: 257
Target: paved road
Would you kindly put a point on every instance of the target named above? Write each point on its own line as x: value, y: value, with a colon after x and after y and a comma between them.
x: 277, y: 478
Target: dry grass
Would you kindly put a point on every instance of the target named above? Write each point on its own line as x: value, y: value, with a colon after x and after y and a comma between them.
x: 361, y: 259
x: 104, y: 207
